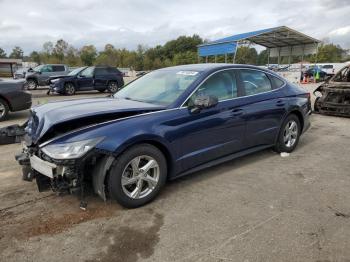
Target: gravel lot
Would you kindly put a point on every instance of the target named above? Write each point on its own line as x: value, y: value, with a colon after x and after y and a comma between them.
x: 258, y: 208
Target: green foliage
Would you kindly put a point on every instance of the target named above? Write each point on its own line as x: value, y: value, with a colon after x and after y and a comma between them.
x: 16, y: 53
x: 88, y: 55
x: 182, y: 50
x: 2, y: 53
x: 246, y: 55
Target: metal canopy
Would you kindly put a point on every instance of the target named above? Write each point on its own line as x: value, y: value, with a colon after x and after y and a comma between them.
x: 271, y: 38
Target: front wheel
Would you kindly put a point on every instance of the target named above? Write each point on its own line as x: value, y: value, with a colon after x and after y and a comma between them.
x: 137, y: 176
x: 69, y: 89
x: 289, y: 134
x: 31, y: 84
x: 4, y: 109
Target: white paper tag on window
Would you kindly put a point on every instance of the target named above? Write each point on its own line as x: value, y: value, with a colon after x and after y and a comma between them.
x: 187, y: 73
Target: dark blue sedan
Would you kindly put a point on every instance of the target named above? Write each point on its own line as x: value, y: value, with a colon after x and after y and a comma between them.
x: 167, y: 123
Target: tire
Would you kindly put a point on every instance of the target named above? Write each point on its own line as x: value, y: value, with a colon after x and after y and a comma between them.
x: 69, y: 89
x: 113, y: 87
x: 316, y: 109
x: 287, y: 142
x: 128, y: 194
x: 4, y: 109
x: 32, y: 84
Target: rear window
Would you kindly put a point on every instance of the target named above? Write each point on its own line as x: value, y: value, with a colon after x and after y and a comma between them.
x: 327, y: 66
x: 102, y: 71
x: 58, y: 68
x: 276, y: 82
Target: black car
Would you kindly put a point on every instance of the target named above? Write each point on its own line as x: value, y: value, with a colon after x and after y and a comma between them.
x: 99, y: 78
x: 13, y: 97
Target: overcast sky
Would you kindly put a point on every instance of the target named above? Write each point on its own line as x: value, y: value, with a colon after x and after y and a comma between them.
x: 126, y: 23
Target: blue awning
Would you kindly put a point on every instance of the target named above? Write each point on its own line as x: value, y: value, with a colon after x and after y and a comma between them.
x: 276, y: 37
x: 224, y: 48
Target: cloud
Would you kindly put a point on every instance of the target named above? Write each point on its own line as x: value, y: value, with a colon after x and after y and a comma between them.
x: 126, y: 23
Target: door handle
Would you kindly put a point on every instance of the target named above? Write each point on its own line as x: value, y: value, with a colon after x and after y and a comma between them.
x: 280, y: 103
x: 237, y: 112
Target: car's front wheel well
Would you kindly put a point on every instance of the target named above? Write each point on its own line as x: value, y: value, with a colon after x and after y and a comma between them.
x: 154, y: 143
x: 7, y: 101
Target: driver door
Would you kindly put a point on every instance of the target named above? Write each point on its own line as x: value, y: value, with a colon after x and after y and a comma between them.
x: 85, y: 80
x: 214, y: 132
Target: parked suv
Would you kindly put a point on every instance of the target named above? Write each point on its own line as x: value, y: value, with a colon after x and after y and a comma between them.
x: 39, y: 76
x: 99, y: 78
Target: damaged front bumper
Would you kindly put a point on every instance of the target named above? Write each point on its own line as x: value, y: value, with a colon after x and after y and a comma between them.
x: 72, y: 176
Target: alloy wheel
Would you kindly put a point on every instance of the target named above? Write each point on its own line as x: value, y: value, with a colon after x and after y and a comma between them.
x: 70, y: 90
x: 140, y: 177
x: 112, y: 87
x: 31, y: 85
x: 2, y: 110
x: 290, y: 134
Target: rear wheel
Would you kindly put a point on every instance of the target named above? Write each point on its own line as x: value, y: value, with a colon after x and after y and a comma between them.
x: 69, y: 89
x: 316, y: 109
x: 4, y: 109
x: 113, y: 87
x: 289, y: 134
x: 137, y: 176
x: 32, y: 84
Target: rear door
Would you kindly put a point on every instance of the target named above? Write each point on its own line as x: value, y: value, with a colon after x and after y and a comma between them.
x: 265, y: 106
x: 101, y: 77
x: 85, y: 80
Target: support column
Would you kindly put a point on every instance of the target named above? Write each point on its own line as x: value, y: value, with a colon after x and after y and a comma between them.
x: 225, y: 57
x: 268, y: 57
x: 234, y: 56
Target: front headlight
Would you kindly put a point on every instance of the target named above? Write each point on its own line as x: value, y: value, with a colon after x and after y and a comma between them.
x: 71, y: 150
x: 55, y: 80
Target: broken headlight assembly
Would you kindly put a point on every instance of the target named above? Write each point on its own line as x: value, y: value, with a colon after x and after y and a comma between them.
x: 70, y: 150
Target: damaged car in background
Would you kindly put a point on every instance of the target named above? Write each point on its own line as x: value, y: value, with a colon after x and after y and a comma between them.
x: 333, y: 97
x: 165, y: 124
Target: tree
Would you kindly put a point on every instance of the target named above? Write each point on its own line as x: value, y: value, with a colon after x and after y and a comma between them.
x: 262, y: 57
x: 330, y: 53
x: 60, y: 50
x: 246, y: 55
x: 35, y: 57
x: 88, y: 55
x: 2, y: 53
x: 16, y: 53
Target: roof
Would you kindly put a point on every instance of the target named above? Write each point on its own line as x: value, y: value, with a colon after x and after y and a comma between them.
x: 10, y: 61
x: 208, y: 66
x: 281, y: 36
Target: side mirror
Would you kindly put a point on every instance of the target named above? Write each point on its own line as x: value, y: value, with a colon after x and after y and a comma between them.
x: 203, y: 102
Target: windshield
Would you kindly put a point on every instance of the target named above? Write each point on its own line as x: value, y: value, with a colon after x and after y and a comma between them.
x: 75, y: 71
x: 161, y: 87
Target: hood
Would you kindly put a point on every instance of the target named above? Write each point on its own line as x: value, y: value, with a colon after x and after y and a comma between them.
x: 55, y: 118
x: 60, y: 76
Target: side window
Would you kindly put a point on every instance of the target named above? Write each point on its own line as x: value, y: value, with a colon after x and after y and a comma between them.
x: 101, y: 71
x: 276, y: 82
x: 222, y: 85
x: 343, y: 75
x: 58, y: 68
x: 255, y: 82
x: 88, y: 72
x: 46, y: 69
